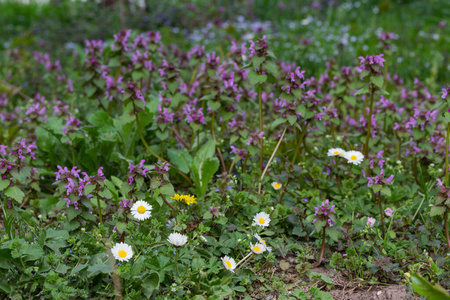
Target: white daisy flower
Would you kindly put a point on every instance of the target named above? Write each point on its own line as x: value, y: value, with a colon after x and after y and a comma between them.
x: 354, y: 157
x: 276, y: 185
x: 229, y: 263
x: 141, y: 210
x: 262, y: 219
x: 336, y: 152
x: 122, y: 251
x: 258, y: 248
x: 261, y: 241
x: 177, y: 239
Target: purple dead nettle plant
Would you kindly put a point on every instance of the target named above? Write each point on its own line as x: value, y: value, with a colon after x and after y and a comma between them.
x: 379, y: 183
x: 324, y: 217
x: 77, y: 190
x: 16, y: 171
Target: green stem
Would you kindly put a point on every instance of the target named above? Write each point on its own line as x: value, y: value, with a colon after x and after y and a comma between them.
x: 381, y: 215
x: 142, y: 136
x: 446, y: 184
x: 446, y: 154
x: 270, y: 160
x: 176, y: 261
x: 302, y: 137
x: 369, y: 121
x: 99, y: 209
x: 241, y: 263
x: 261, y: 130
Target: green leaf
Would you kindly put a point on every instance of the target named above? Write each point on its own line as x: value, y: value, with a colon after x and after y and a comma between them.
x: 33, y: 252
x: 272, y: 68
x: 78, y: 268
x: 181, y: 159
x: 424, y: 288
x: 386, y: 190
x: 203, y: 172
x: 151, y: 283
x: 167, y: 189
x: 256, y: 78
x: 15, y: 193
x: 4, y: 183
x: 437, y: 211
x: 362, y: 91
x: 378, y: 80
x: 278, y: 122
x: 376, y: 187
x: 292, y: 119
x: 257, y: 61
x: 105, y: 269
x: 333, y: 233
x: 418, y: 134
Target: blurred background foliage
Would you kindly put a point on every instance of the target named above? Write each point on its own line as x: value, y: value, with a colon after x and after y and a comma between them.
x: 302, y: 31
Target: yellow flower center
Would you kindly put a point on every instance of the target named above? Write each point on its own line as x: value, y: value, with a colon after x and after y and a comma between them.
x: 261, y: 221
x: 256, y: 248
x: 342, y: 154
x: 262, y: 241
x: 141, y: 209
x: 122, y: 253
x: 277, y: 185
x: 228, y: 264
x: 353, y: 157
x: 336, y: 152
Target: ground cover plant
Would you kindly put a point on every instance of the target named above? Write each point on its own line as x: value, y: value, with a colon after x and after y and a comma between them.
x: 145, y: 167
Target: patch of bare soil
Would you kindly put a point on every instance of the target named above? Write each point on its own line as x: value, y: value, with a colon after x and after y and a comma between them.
x: 345, y: 289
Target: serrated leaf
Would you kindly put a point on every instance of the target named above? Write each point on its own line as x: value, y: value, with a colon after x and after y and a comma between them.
x: 362, y: 91
x: 386, y: 190
x: 272, y: 68
x: 277, y: 122
x: 4, y: 183
x: 437, y: 211
x: 15, y: 193
x: 378, y: 80
x: 167, y: 189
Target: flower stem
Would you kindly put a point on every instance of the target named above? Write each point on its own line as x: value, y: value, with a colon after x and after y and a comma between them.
x: 243, y: 261
x: 446, y: 154
x: 219, y: 153
x: 322, y: 250
x: 381, y: 215
x: 260, y: 130
x: 446, y: 183
x: 369, y: 121
x: 446, y: 229
x: 99, y: 209
x: 174, y: 209
x: 176, y: 261
x: 270, y: 160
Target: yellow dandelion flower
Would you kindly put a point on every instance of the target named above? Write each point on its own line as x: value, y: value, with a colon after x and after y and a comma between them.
x: 177, y: 197
x: 188, y: 199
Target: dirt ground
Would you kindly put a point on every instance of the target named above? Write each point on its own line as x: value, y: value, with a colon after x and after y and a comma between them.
x: 351, y: 290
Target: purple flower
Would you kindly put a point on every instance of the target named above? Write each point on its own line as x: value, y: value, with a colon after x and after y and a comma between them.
x: 389, y: 212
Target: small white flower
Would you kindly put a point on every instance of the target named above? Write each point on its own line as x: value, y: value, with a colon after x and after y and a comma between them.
x: 141, y: 210
x: 177, y: 239
x: 354, y: 157
x: 371, y: 221
x: 261, y: 241
x: 262, y: 219
x: 276, y: 185
x: 229, y: 263
x: 122, y: 252
x: 258, y: 248
x: 336, y: 152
